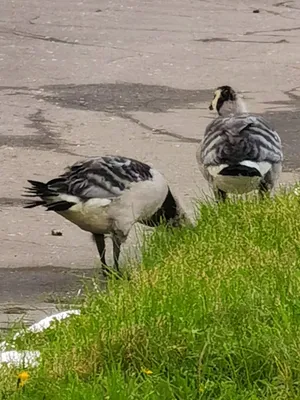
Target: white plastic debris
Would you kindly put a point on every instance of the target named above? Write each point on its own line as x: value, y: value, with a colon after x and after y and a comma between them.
x: 19, y: 358
x: 45, y: 323
x: 3, y: 346
x: 30, y: 357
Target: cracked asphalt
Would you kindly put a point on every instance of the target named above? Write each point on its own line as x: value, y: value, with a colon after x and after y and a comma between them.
x: 133, y: 78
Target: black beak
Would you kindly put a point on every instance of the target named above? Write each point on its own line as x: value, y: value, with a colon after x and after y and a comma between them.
x: 210, y: 107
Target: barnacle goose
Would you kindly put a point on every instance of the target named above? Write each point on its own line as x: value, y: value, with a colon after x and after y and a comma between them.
x: 240, y: 152
x: 107, y: 195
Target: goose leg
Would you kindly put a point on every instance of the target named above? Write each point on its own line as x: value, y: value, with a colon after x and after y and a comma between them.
x: 263, y: 190
x: 117, y: 241
x: 100, y: 243
x: 220, y: 195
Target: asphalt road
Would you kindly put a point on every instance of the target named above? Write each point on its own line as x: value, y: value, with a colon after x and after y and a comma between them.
x: 123, y: 77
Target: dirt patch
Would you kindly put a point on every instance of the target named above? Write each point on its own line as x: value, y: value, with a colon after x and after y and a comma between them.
x: 41, y: 284
x: 287, y: 124
x: 47, y: 135
x: 124, y: 97
x: 121, y: 99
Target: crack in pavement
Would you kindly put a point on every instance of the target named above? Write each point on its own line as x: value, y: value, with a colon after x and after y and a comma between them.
x: 152, y: 98
x: 38, y: 37
x: 278, y: 14
x: 53, y: 39
x: 120, y: 98
x: 123, y: 100
x: 157, y: 131
x: 297, y: 28
x: 118, y: 28
x: 218, y: 39
x: 285, y: 4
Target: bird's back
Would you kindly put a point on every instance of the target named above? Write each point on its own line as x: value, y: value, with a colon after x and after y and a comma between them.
x: 101, y: 177
x: 233, y: 139
x: 99, y: 193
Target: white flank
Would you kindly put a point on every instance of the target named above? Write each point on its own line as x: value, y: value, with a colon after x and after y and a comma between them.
x: 263, y: 167
x: 142, y: 200
x: 91, y: 215
x: 69, y: 198
x: 98, y: 202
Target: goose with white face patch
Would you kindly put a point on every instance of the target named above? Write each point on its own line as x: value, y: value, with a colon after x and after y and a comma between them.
x: 107, y: 195
x: 240, y: 152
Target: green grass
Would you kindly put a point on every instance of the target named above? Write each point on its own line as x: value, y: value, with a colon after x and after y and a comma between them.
x: 213, y: 311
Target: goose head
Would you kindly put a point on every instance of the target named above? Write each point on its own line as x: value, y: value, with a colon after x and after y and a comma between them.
x: 227, y: 101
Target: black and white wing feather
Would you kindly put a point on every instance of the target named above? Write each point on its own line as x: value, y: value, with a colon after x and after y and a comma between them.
x: 101, y: 178
x: 234, y: 139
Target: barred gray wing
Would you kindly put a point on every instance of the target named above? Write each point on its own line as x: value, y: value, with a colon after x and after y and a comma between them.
x: 236, y: 138
x: 101, y: 177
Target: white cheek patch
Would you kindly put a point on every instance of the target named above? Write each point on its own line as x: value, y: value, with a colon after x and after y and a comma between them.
x: 215, y: 99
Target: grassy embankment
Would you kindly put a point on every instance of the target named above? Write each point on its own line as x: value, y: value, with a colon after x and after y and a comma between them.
x: 212, y: 312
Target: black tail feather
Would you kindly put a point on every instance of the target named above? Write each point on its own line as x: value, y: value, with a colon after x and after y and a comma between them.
x: 37, y: 184
x: 59, y: 206
x: 36, y: 203
x: 39, y: 189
